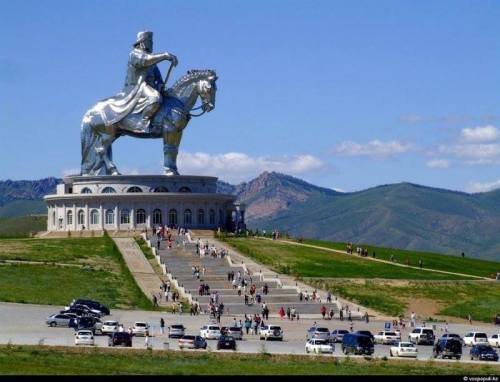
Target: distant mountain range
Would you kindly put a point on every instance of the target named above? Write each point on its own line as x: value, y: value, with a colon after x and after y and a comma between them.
x: 402, y: 215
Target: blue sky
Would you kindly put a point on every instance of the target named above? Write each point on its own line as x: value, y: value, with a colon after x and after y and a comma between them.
x: 344, y: 94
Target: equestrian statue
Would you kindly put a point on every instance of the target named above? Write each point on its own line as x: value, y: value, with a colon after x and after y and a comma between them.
x: 145, y: 109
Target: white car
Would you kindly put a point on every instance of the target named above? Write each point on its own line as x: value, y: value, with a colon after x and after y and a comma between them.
x: 140, y: 328
x: 494, y: 340
x: 109, y: 327
x: 387, y: 337
x: 319, y: 346
x: 475, y: 338
x: 210, y: 332
x: 84, y: 337
x: 271, y: 332
x: 404, y: 349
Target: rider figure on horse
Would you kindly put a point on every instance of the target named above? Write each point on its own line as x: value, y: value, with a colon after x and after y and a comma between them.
x: 141, y: 95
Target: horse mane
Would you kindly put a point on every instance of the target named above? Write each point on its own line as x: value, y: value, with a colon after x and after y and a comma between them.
x: 191, y: 76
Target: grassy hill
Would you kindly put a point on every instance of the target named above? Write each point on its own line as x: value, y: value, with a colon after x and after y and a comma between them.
x: 68, y: 268
x: 402, y: 215
x: 22, y: 226
x: 385, y: 287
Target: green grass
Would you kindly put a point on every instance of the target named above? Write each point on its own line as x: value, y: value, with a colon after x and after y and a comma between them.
x: 46, y: 360
x: 22, y: 226
x: 481, y: 299
x: 447, y: 263
x: 100, y: 273
x: 310, y: 262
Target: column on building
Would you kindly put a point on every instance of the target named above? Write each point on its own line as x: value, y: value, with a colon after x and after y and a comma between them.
x: 117, y: 218
x: 132, y: 217
x: 75, y: 218
x: 87, y: 217
x: 101, y: 216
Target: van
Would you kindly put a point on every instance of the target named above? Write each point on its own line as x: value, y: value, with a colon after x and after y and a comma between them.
x: 353, y: 343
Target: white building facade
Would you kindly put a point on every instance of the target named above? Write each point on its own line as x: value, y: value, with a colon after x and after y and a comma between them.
x: 138, y: 202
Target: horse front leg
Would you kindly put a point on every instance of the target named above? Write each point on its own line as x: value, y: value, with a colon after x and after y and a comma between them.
x: 107, y: 153
x: 171, y: 141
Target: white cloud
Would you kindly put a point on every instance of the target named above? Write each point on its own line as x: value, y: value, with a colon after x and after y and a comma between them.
x: 438, y: 163
x: 474, y: 153
x: 482, y: 187
x: 70, y: 171
x: 237, y: 167
x: 338, y: 189
x: 375, y: 148
x: 480, y: 134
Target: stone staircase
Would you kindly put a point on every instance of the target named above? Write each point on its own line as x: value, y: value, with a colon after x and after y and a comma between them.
x: 180, y: 259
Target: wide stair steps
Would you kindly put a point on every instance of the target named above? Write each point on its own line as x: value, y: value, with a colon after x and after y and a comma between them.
x: 180, y: 259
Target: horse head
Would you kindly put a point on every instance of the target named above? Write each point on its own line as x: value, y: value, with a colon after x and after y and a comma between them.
x: 194, y: 84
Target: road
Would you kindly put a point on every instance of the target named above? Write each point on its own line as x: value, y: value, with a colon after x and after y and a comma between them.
x: 24, y: 324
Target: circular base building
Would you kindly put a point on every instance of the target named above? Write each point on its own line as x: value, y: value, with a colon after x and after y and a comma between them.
x: 138, y: 202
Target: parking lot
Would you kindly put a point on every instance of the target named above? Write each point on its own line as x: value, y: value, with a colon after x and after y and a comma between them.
x: 25, y: 324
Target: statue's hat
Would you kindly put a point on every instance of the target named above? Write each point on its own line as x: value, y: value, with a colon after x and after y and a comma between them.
x: 143, y: 36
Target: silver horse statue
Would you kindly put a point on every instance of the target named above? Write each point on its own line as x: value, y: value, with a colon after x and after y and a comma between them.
x: 168, y: 123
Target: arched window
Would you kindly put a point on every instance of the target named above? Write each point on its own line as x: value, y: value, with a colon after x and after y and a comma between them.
x: 201, y: 216
x: 94, y: 217
x: 124, y: 216
x: 160, y: 189
x: 211, y: 216
x: 86, y: 190
x: 134, y: 189
x: 184, y: 189
x: 140, y: 217
x: 221, y: 218
x: 157, y: 219
x: 108, y: 190
x: 69, y: 217
x: 81, y: 217
x: 188, y: 217
x: 172, y: 217
x: 109, y: 217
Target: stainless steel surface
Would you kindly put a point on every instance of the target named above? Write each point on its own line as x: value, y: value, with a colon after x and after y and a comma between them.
x: 144, y: 109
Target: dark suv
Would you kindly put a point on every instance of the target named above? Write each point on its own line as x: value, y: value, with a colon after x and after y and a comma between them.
x: 120, y: 339
x: 86, y: 323
x: 357, y: 344
x: 448, y: 347
x: 91, y: 304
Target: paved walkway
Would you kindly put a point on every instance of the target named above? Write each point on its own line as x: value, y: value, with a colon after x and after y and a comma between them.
x: 142, y: 271
x: 253, y: 267
x: 378, y: 260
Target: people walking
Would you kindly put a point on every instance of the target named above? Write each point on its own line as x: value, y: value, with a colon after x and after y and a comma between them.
x: 162, y: 326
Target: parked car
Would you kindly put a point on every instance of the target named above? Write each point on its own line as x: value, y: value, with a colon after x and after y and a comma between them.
x: 422, y: 335
x: 210, y: 332
x: 81, y: 311
x: 84, y: 337
x: 140, y: 328
x: 453, y: 335
x: 176, y: 331
x: 226, y: 342
x: 59, y: 320
x: 318, y: 333
x: 366, y: 333
x: 403, y: 349
x: 338, y: 334
x: 236, y: 332
x: 109, y: 327
x: 192, y: 342
x: 494, y: 340
x: 120, y: 339
x: 475, y: 338
x: 353, y: 343
x: 483, y: 352
x: 448, y: 347
x: 386, y: 338
x: 92, y: 305
x: 319, y: 346
x: 86, y: 323
x: 271, y: 332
